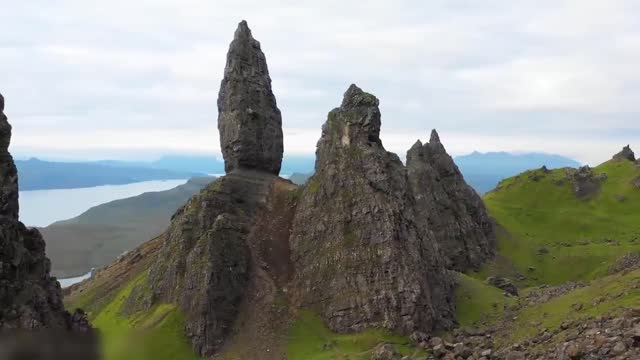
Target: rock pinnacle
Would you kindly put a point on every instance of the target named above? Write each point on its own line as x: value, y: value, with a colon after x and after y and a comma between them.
x: 249, y: 120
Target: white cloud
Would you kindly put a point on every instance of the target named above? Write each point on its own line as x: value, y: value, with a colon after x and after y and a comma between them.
x: 490, y: 75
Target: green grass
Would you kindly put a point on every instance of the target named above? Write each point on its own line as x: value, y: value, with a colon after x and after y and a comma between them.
x: 616, y: 292
x: 157, y: 334
x: 310, y: 339
x: 478, y: 304
x: 589, y: 234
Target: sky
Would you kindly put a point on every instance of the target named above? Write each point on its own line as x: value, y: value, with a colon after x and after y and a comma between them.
x: 135, y: 79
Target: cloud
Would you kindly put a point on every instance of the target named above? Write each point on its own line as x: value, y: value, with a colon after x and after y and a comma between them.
x: 136, y: 77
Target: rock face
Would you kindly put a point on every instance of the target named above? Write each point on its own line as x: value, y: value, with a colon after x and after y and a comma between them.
x: 449, y: 207
x: 249, y: 120
x: 227, y: 248
x: 8, y: 172
x: 360, y: 256
x: 625, y: 154
x: 356, y: 245
x: 204, y: 264
x: 30, y: 299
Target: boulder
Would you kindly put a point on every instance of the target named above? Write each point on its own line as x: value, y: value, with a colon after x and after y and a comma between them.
x: 503, y: 284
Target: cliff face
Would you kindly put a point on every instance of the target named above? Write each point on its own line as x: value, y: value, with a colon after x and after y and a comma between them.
x: 360, y: 257
x: 249, y: 120
x: 360, y: 244
x: 448, y: 206
x: 30, y: 299
x: 226, y: 245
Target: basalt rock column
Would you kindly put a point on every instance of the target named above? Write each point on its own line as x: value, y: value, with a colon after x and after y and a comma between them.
x: 249, y: 120
x: 30, y: 299
x: 360, y: 259
x: 8, y: 172
x: 448, y: 206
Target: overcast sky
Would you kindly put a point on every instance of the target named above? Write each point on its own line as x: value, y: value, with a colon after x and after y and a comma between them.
x: 139, y: 78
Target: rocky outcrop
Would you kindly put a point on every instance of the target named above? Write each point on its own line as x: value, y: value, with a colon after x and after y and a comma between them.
x: 585, y: 182
x: 8, y: 172
x: 204, y: 263
x: 356, y: 245
x: 448, y: 206
x: 30, y: 299
x: 503, y: 284
x: 626, y: 154
x: 249, y: 120
x: 227, y: 248
x: 360, y: 257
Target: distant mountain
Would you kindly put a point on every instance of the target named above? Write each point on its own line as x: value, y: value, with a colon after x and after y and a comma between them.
x: 299, y: 178
x: 36, y: 174
x: 102, y: 233
x: 484, y: 171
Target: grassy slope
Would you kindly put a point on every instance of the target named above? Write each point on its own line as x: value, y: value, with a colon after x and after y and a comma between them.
x: 99, y: 235
x: 477, y: 302
x: 589, y: 234
x: 156, y: 334
x: 310, y: 339
x: 607, y: 295
x: 153, y: 335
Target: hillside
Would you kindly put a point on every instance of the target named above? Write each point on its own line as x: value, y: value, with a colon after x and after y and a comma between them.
x: 41, y: 175
x: 485, y: 170
x: 551, y: 218
x: 99, y: 235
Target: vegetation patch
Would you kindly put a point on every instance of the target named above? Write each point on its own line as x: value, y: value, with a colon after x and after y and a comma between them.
x: 310, y: 339
x: 479, y: 304
x: 155, y: 334
x: 546, y: 226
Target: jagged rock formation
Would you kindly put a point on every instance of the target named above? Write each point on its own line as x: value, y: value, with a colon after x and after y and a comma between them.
x: 8, y: 172
x: 228, y: 246
x: 356, y: 245
x: 249, y: 120
x: 448, y: 206
x: 625, y: 154
x: 360, y: 256
x: 30, y: 299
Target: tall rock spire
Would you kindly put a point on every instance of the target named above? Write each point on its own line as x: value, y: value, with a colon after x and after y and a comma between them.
x: 8, y: 172
x: 249, y: 120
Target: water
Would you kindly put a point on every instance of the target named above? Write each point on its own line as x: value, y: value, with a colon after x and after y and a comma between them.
x: 43, y: 207
x: 65, y: 283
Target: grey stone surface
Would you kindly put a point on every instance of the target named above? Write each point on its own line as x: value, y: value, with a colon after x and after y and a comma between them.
x: 625, y: 154
x: 30, y: 298
x: 359, y: 255
x: 249, y: 120
x: 448, y: 206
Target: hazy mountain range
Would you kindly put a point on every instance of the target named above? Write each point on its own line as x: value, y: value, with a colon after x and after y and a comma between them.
x: 483, y: 171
